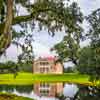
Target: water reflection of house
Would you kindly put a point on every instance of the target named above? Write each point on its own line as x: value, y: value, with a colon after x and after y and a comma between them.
x: 48, y: 65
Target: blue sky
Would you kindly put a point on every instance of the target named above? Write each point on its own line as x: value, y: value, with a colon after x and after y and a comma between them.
x: 43, y: 41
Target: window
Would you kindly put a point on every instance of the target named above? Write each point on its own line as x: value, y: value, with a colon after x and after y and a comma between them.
x: 41, y: 70
x: 44, y: 85
x: 44, y: 92
x: 47, y: 69
x: 44, y: 63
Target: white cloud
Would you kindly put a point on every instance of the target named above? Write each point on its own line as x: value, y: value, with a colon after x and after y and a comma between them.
x: 45, y: 39
x: 39, y: 50
x: 11, y: 54
x: 88, y: 6
x: 69, y: 64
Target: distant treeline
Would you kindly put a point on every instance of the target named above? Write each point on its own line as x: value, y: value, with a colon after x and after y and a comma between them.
x: 12, y: 67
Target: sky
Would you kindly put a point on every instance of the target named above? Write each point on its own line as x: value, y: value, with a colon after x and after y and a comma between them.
x: 44, y: 41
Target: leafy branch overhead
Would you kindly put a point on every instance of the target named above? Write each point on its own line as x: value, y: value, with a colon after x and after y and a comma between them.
x: 68, y: 49
x: 50, y: 14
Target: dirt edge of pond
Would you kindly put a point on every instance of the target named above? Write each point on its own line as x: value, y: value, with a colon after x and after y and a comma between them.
x: 7, y: 96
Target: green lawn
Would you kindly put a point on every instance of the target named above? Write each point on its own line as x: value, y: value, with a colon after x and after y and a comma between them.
x: 7, y: 96
x: 28, y: 78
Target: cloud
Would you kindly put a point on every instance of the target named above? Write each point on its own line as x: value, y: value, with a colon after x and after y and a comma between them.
x: 11, y: 54
x: 45, y: 39
x: 41, y: 50
x: 87, y: 6
x: 38, y: 48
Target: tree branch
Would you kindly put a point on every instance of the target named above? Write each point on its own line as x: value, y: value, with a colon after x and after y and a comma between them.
x: 74, y: 61
x: 9, y: 16
x: 25, y: 18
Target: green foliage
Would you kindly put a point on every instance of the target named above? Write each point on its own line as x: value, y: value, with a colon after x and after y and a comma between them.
x: 8, y: 67
x: 2, y: 10
x: 89, y: 59
x: 68, y: 48
x: 25, y: 67
x: 23, y: 2
x: 12, y: 67
x: 87, y: 93
x: 50, y: 14
x: 94, y: 22
x: 94, y: 31
x: 27, y: 50
x: 17, y: 35
x: 89, y: 62
x: 61, y: 97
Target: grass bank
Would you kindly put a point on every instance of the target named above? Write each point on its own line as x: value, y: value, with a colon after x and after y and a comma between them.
x: 29, y: 78
x: 7, y: 96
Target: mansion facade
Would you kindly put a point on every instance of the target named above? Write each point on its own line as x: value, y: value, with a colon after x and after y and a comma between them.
x: 50, y: 65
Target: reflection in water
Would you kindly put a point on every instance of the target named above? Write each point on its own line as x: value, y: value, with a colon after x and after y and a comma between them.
x: 70, y: 90
x: 50, y: 65
x: 19, y: 88
x: 48, y: 89
x: 42, y: 91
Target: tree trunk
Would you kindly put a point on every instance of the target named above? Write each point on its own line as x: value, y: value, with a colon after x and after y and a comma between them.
x: 9, y: 17
x: 6, y: 36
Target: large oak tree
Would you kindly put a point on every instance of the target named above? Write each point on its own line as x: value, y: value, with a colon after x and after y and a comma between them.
x: 53, y: 15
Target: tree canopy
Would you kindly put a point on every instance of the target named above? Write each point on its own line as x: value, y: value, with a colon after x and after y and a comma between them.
x: 51, y: 14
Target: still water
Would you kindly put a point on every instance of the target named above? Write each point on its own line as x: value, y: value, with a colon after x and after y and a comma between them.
x: 42, y: 91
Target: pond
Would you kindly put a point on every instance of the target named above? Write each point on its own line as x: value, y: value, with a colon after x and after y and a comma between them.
x: 42, y: 91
